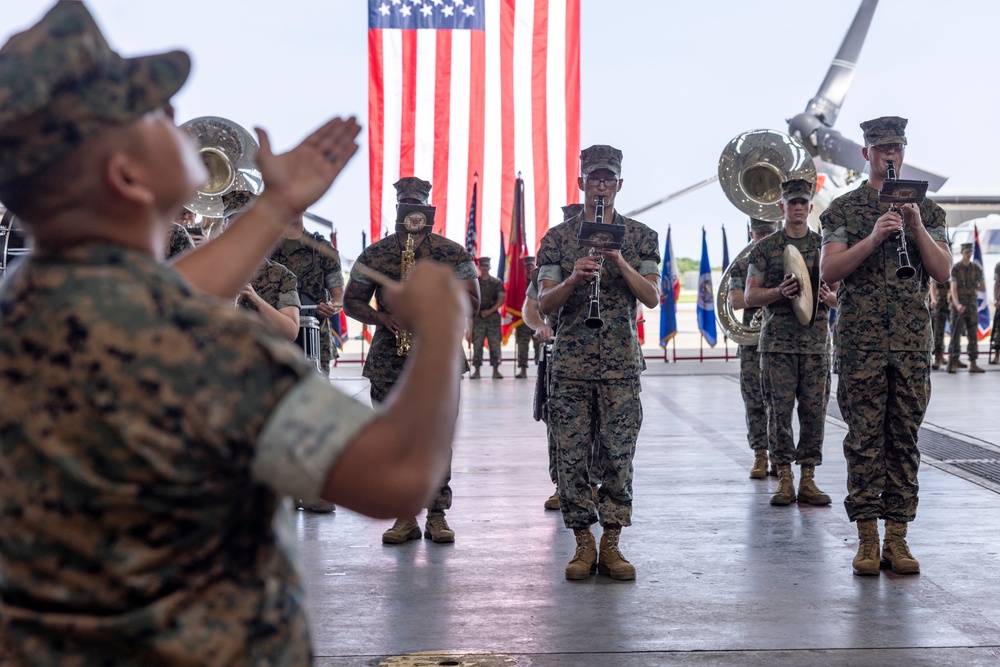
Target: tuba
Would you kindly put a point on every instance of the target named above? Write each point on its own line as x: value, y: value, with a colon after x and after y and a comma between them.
x: 230, y: 156
x: 752, y: 168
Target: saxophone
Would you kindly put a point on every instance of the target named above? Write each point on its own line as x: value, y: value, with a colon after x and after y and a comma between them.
x: 407, y: 262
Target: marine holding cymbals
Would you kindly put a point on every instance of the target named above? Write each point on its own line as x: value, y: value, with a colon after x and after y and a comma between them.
x: 794, y: 342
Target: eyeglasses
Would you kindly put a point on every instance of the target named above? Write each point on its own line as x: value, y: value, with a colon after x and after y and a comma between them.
x: 889, y: 148
x: 609, y: 182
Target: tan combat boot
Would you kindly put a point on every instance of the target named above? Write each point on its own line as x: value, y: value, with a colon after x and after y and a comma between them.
x: 759, y: 469
x: 521, y: 374
x: 496, y: 374
x: 475, y: 374
x: 611, y: 562
x: 938, y: 361
x: 974, y: 368
x: 403, y: 530
x: 952, y: 366
x: 786, y: 486
x: 584, y: 561
x: 867, y: 560
x: 959, y: 363
x: 809, y: 493
x: 436, y: 529
x: 895, y: 553
x: 553, y: 502
x: 995, y: 358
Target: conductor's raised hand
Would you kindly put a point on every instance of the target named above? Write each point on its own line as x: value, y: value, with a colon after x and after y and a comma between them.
x: 295, y: 180
x: 431, y: 303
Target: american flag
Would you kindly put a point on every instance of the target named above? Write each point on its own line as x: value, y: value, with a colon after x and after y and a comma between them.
x: 458, y: 87
x: 470, y: 229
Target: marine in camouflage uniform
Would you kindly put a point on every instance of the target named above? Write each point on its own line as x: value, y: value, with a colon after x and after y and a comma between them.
x: 144, y: 429
x: 491, y: 296
x: 794, y: 358
x: 321, y: 280
x: 750, y: 389
x: 594, y: 399
x: 384, y: 365
x: 523, y: 335
x: 940, y: 311
x: 882, y: 344
x: 995, y: 336
x: 552, y: 503
x: 178, y: 241
x: 966, y: 278
x: 276, y: 285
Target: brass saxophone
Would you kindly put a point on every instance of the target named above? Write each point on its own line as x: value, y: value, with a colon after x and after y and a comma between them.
x: 408, y: 260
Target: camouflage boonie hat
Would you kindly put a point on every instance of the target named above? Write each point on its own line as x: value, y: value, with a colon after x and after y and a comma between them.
x: 483, y: 260
x: 61, y: 84
x: 885, y: 130
x: 798, y: 188
x: 412, y: 187
x: 529, y: 260
x: 966, y: 247
x: 762, y: 226
x: 601, y: 156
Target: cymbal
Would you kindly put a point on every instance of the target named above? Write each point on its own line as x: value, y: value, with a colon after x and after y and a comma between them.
x: 802, y: 304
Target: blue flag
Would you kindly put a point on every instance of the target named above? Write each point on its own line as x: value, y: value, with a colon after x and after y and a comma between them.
x: 502, y: 264
x: 670, y: 289
x: 706, y: 296
x: 982, y: 304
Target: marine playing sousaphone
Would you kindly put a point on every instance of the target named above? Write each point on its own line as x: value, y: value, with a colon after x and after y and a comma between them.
x: 751, y: 170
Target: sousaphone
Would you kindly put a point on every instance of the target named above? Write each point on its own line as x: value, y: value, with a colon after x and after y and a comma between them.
x: 234, y: 181
x: 752, y: 168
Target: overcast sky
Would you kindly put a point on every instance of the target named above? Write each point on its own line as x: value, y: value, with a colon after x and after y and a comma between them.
x: 669, y: 83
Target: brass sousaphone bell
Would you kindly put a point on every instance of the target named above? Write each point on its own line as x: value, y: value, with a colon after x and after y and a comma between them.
x: 230, y: 156
x: 752, y: 168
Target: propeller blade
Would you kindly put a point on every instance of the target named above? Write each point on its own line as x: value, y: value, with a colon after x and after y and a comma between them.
x: 830, y: 96
x: 674, y: 195
x: 934, y: 180
x: 834, y: 147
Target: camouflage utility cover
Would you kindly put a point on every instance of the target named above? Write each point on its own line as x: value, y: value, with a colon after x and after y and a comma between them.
x: 600, y: 157
x: 885, y: 130
x: 275, y: 284
x: 967, y: 279
x: 316, y: 272
x: 412, y: 187
x: 875, y: 309
x: 133, y: 529
x: 613, y: 351
x: 385, y: 256
x: 780, y: 330
x: 60, y: 84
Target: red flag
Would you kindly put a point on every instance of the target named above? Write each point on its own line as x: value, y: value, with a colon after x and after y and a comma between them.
x: 487, y: 86
x: 517, y: 283
x: 640, y: 324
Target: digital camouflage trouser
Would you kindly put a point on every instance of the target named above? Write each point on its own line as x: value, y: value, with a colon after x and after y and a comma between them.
x: 995, y: 336
x: 442, y: 501
x: 964, y: 324
x: 882, y: 397
x: 753, y: 400
x: 939, y: 319
x: 603, y: 415
x: 488, y: 329
x: 786, y: 379
x: 525, y: 336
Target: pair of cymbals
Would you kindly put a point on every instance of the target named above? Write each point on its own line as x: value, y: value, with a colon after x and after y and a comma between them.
x: 803, y: 304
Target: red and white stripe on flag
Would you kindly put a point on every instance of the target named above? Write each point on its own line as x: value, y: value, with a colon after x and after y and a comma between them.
x: 458, y: 87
